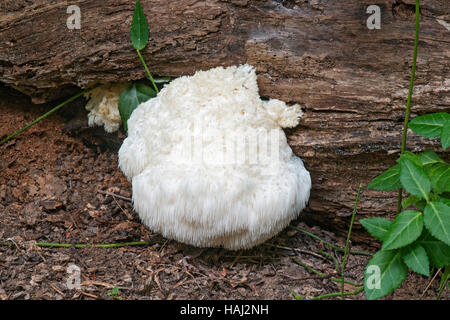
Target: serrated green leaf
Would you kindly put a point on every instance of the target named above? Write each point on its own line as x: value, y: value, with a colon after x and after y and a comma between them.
x: 438, y: 252
x: 384, y: 272
x: 445, y: 201
x: 439, y: 174
x: 405, y: 229
x: 429, y: 157
x: 416, y: 259
x: 445, y: 135
x: 377, y: 227
x: 139, y: 28
x: 437, y: 220
x: 429, y: 125
x: 410, y: 201
x: 414, y: 179
x: 412, y: 157
x: 388, y: 180
x: 131, y: 98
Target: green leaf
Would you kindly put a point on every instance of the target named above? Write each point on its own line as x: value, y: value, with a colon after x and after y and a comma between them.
x: 429, y: 157
x: 445, y: 201
x: 115, y: 290
x: 416, y: 259
x: 131, y: 98
x: 421, y: 204
x: 412, y: 157
x: 438, y: 252
x: 445, y: 277
x: 377, y: 227
x: 139, y: 28
x: 409, y: 201
x: 437, y: 220
x: 445, y: 135
x: 388, y: 180
x: 405, y: 229
x: 439, y: 175
x: 162, y: 79
x: 429, y: 125
x: 414, y: 179
x: 384, y: 272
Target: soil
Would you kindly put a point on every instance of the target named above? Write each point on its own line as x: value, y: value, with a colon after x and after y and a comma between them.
x: 54, y: 184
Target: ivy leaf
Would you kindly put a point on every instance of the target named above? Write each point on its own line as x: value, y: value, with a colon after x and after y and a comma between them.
x: 416, y: 259
x: 384, y: 272
x: 414, y: 179
x: 429, y: 157
x: 131, y: 98
x: 438, y: 252
x: 377, y: 227
x: 429, y: 125
x: 445, y: 135
x: 139, y: 28
x: 405, y: 229
x: 439, y: 174
x: 388, y: 180
x: 437, y: 220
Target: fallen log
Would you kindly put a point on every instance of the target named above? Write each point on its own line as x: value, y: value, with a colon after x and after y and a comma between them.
x: 351, y: 80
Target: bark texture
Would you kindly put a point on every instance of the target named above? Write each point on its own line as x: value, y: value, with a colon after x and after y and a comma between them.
x: 351, y: 81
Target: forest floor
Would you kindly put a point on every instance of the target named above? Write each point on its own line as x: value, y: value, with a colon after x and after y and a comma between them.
x: 56, y: 186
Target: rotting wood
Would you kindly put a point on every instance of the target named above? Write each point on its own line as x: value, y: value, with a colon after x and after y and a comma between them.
x: 352, y: 81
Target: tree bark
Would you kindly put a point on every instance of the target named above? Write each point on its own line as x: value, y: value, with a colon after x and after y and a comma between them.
x: 351, y: 81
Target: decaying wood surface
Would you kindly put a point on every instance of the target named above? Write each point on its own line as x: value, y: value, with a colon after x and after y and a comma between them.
x: 352, y: 81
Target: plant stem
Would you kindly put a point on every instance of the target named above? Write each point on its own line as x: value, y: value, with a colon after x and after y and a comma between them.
x: 347, y: 242
x: 148, y: 71
x: 331, y: 257
x: 44, y: 115
x: 408, y: 103
x: 87, y: 245
x: 311, y: 269
x: 332, y: 245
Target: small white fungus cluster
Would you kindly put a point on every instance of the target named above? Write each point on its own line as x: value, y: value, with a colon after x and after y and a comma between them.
x: 103, y: 106
x: 236, y: 203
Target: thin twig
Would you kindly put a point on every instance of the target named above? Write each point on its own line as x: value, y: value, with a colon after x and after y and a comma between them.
x: 56, y: 289
x: 90, y: 295
x: 429, y: 283
x: 347, y: 242
x: 317, y: 255
x: 115, y: 195
x: 97, y: 283
x: 129, y: 216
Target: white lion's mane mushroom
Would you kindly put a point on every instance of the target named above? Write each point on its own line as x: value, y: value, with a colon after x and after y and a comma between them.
x: 214, y: 203
x: 103, y: 106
